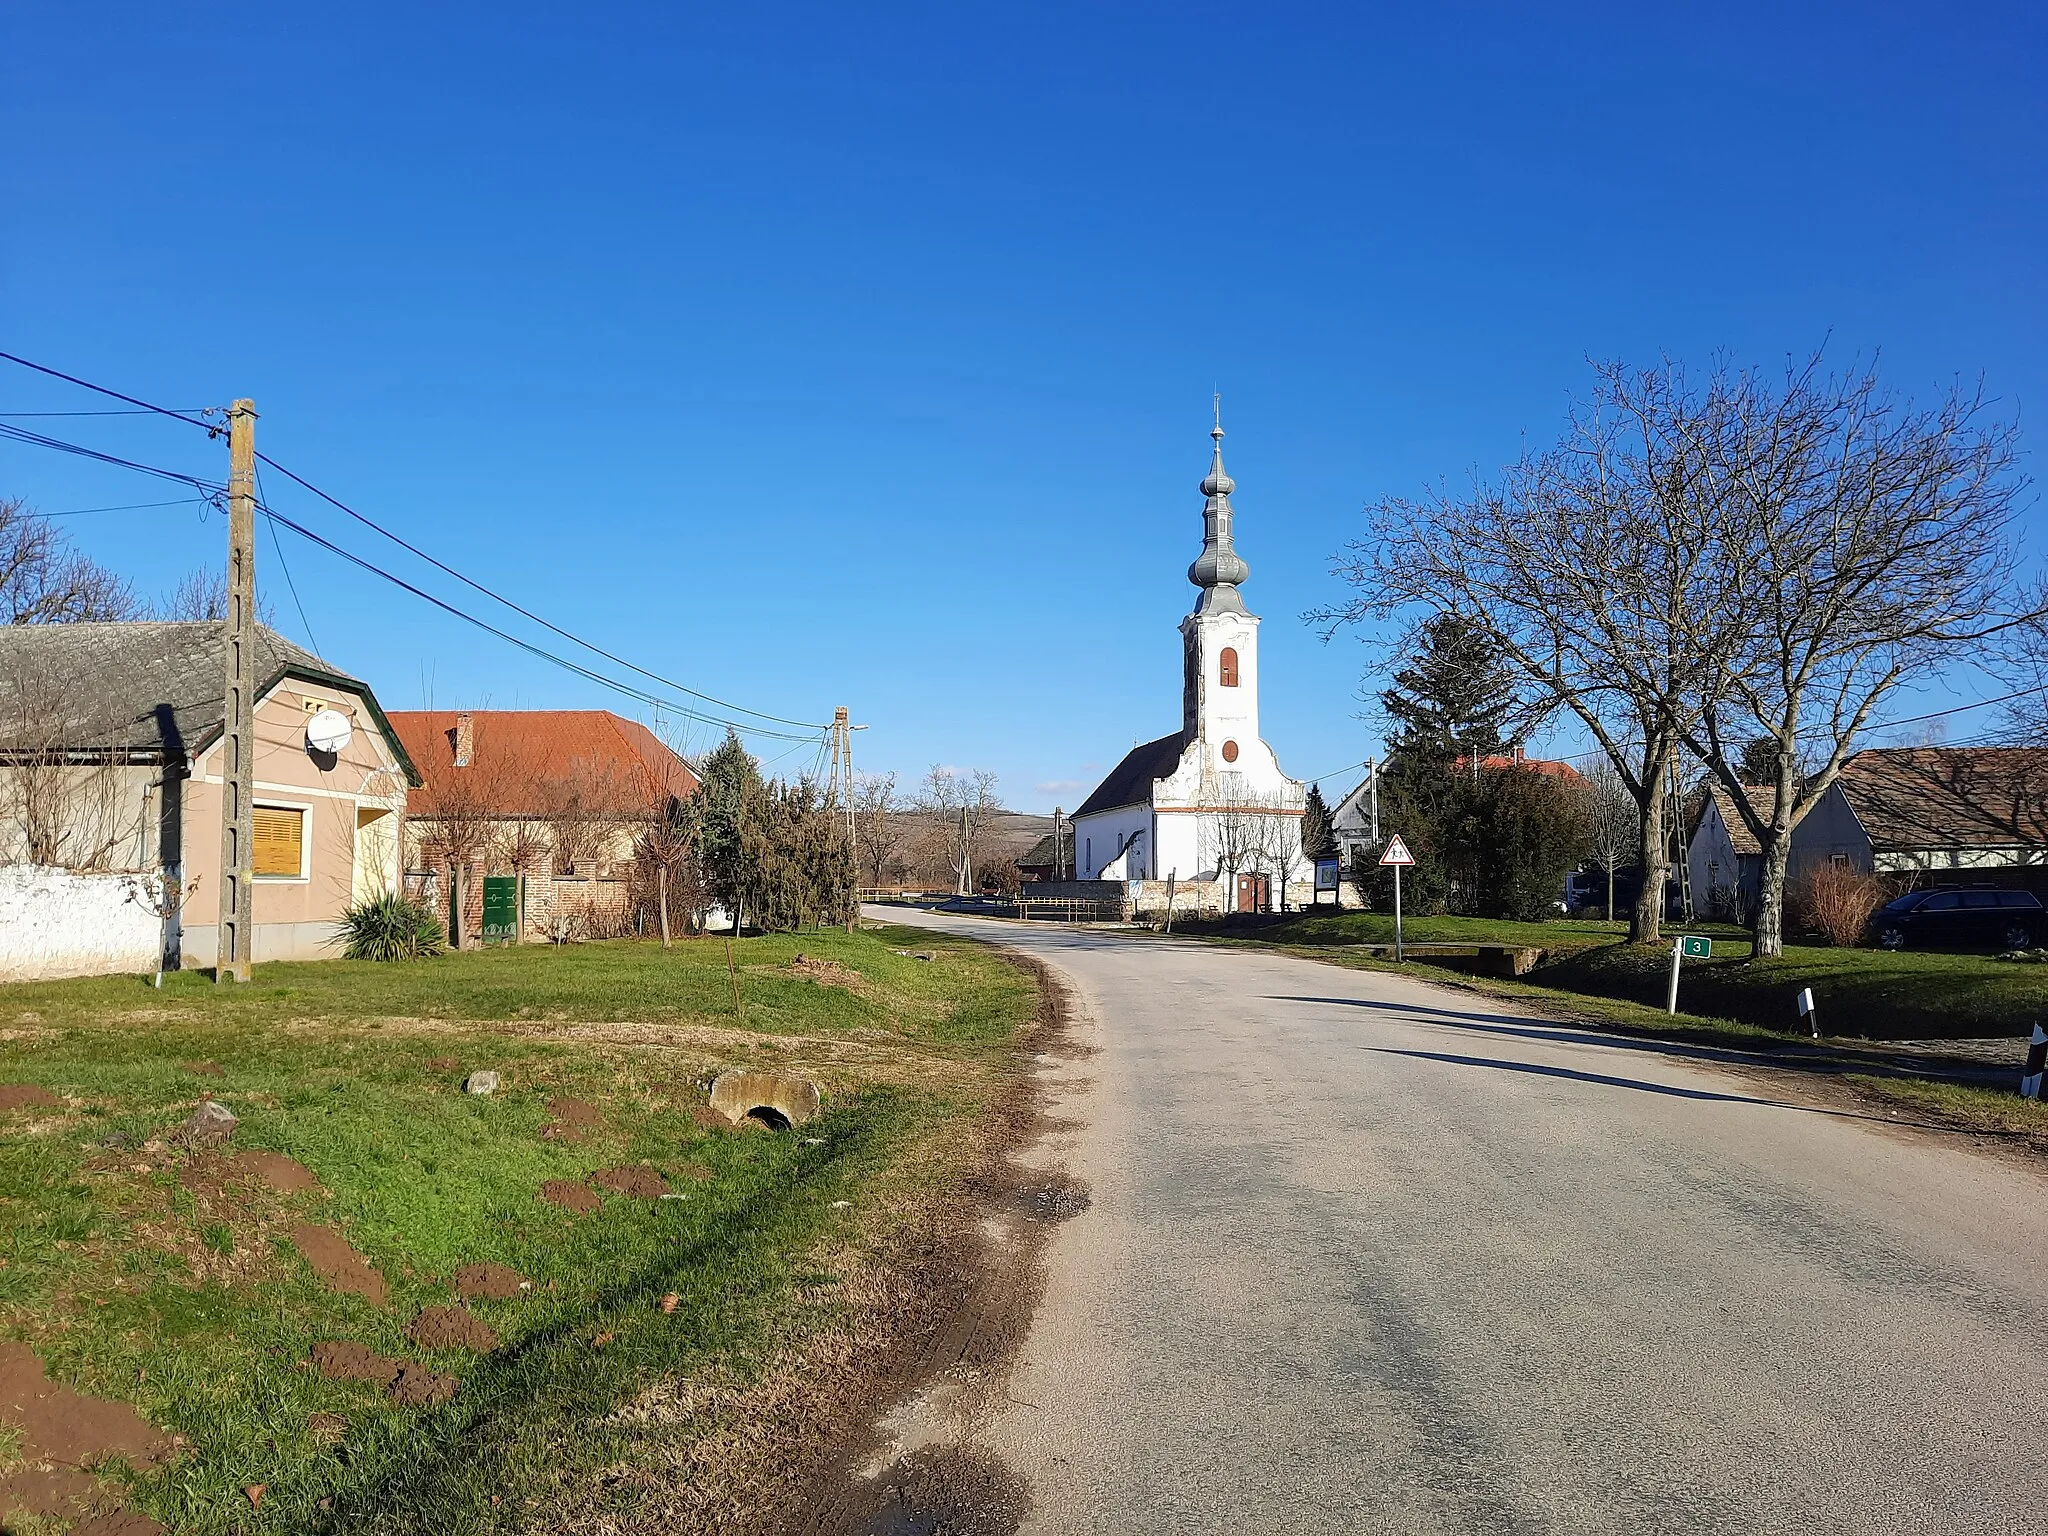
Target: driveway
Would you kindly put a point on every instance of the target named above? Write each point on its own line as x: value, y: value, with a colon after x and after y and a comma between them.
x: 1367, y: 1254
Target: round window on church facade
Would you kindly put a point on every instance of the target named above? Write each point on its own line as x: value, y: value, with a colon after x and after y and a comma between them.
x: 1230, y: 751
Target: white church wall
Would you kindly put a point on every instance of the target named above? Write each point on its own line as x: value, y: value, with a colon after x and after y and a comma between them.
x: 1098, y: 837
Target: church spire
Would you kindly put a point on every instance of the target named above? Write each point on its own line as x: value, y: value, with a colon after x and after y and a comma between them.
x: 1218, y: 569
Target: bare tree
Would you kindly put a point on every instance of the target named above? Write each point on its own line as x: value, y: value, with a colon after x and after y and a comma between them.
x: 43, y: 580
x: 1613, y: 825
x: 201, y: 596
x: 958, y: 810
x: 64, y: 788
x: 1870, y: 540
x: 456, y: 817
x: 1598, y: 569
x: 2025, y: 667
x: 879, y: 827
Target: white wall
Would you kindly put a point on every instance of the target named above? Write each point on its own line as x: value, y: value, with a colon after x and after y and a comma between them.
x: 1097, y: 838
x: 54, y: 923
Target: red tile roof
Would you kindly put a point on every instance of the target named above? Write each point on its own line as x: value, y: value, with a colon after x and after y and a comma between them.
x: 531, y: 756
x: 1920, y: 798
x: 1543, y: 765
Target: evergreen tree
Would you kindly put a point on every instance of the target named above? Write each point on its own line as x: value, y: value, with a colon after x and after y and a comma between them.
x: 1318, y: 837
x: 731, y: 813
x: 1458, y: 699
x: 1523, y: 833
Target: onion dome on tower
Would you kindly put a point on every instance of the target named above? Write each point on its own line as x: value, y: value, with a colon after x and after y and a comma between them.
x: 1218, y: 569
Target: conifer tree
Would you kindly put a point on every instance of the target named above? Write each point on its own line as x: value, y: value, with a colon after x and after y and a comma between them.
x: 1318, y: 836
x: 1458, y: 699
x: 731, y: 806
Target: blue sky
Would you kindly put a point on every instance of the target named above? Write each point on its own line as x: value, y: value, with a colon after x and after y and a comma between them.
x: 819, y: 355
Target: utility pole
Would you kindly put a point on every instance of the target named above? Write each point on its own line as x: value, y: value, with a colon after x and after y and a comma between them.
x: 237, y: 929
x: 842, y: 781
x: 1059, y: 857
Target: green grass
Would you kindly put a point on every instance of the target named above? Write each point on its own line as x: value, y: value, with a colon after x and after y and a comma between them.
x: 1978, y: 1108
x: 198, y: 1310
x: 1861, y: 993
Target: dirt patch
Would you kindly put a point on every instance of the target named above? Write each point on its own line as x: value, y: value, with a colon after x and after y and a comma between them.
x: 27, y: 1096
x: 452, y: 1328
x: 575, y: 1121
x: 408, y: 1385
x: 341, y: 1360
x: 335, y: 1262
x: 120, y: 1522
x: 417, y: 1387
x: 32, y: 1491
x: 948, y: 1491
x: 571, y: 1196
x: 1052, y: 1199
x: 442, y: 1063
x: 640, y: 1182
x: 204, y: 1068
x: 488, y: 1282
x: 826, y: 973
x: 273, y: 1170
x: 66, y: 1426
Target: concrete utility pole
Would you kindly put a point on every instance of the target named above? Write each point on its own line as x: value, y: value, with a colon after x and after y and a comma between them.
x: 842, y: 776
x: 238, y: 719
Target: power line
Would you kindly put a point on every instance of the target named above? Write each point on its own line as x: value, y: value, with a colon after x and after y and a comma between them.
x: 290, y: 585
x: 625, y: 689
x: 24, y: 415
x: 38, y: 440
x: 498, y: 597
x: 133, y: 506
x: 114, y: 394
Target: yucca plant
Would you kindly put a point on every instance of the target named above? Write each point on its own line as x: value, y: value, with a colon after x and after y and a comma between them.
x: 389, y: 927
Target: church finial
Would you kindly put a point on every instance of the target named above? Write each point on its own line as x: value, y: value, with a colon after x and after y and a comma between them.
x: 1218, y: 569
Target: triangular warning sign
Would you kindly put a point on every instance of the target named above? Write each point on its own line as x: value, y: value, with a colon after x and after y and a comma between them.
x: 1397, y: 852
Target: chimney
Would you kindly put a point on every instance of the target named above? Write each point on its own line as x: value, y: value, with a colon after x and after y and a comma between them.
x: 465, y: 738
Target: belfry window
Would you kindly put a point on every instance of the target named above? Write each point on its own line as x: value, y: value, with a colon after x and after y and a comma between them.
x: 1227, y: 667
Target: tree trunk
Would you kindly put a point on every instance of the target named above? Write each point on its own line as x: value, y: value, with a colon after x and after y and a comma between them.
x: 1646, y: 923
x: 455, y: 906
x: 1770, y: 893
x: 1610, y: 893
x: 661, y: 879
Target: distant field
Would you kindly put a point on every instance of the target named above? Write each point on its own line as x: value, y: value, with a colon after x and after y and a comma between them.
x: 657, y: 1246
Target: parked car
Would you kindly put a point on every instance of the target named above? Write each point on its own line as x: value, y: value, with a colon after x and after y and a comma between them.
x: 1959, y: 919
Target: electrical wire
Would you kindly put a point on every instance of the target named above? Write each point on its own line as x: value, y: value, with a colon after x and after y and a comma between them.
x: 527, y: 613
x: 625, y: 689
x: 38, y: 440
x: 133, y: 506
x: 290, y: 585
x: 113, y: 394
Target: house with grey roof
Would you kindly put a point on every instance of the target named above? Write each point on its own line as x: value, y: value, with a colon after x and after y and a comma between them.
x: 110, y: 743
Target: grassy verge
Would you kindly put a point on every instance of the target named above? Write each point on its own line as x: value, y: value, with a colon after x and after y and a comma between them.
x: 1865, y: 993
x: 141, y: 1269
x: 1981, y: 1109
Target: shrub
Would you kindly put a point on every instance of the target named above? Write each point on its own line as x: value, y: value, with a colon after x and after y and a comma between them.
x: 1836, y: 902
x: 389, y: 927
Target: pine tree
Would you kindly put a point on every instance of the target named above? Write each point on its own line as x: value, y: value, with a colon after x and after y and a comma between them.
x: 1458, y: 699
x: 1318, y: 837
x: 731, y: 805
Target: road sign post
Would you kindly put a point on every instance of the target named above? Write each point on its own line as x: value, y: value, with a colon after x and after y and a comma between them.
x: 1685, y: 946
x: 1808, y: 1012
x: 1396, y: 858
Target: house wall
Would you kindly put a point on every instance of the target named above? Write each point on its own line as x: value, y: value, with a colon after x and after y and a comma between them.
x: 55, y: 923
x: 1830, y: 828
x: 1715, y: 867
x: 1098, y: 836
x: 295, y: 915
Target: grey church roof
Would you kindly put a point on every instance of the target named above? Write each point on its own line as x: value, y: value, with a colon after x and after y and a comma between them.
x: 1219, y: 568
x: 148, y: 691
x: 1130, y: 781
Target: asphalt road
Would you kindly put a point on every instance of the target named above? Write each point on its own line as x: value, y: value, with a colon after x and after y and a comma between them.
x: 1367, y: 1254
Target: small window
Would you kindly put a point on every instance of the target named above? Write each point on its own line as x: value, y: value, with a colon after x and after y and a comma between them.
x: 280, y: 841
x: 1839, y: 860
x: 1227, y: 667
x: 1230, y: 751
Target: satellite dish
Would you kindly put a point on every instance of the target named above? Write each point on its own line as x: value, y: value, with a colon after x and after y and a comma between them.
x: 328, y: 731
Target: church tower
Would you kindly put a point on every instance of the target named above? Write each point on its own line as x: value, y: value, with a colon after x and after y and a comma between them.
x: 1220, y: 639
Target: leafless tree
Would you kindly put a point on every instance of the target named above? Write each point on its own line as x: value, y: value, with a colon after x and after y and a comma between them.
x: 1870, y: 541
x: 456, y: 818
x: 202, y: 596
x: 43, y: 580
x: 1241, y: 836
x: 64, y: 788
x: 2025, y: 667
x: 1613, y: 823
x: 1598, y: 567
x: 958, y: 809
x: 879, y: 827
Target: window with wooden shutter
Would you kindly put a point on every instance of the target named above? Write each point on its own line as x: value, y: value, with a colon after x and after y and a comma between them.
x: 280, y: 841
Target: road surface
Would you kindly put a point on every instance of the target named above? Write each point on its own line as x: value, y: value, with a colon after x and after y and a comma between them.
x: 1367, y: 1254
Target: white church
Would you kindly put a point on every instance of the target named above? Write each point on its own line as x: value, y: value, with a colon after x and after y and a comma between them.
x: 1206, y: 805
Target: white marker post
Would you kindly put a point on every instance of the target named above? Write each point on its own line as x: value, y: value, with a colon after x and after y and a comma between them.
x: 1808, y: 1012
x: 1396, y: 858
x: 1685, y: 945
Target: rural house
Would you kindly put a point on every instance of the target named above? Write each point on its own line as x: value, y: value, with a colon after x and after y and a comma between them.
x: 1724, y: 861
x: 556, y: 798
x: 110, y: 738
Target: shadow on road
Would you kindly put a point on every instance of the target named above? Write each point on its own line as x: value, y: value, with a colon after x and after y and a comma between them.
x: 1601, y: 1078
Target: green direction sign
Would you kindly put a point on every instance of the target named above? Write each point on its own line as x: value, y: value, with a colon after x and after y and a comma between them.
x: 501, y: 908
x: 1692, y: 946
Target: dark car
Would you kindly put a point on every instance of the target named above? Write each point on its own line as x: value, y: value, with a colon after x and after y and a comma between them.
x: 1956, y: 919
